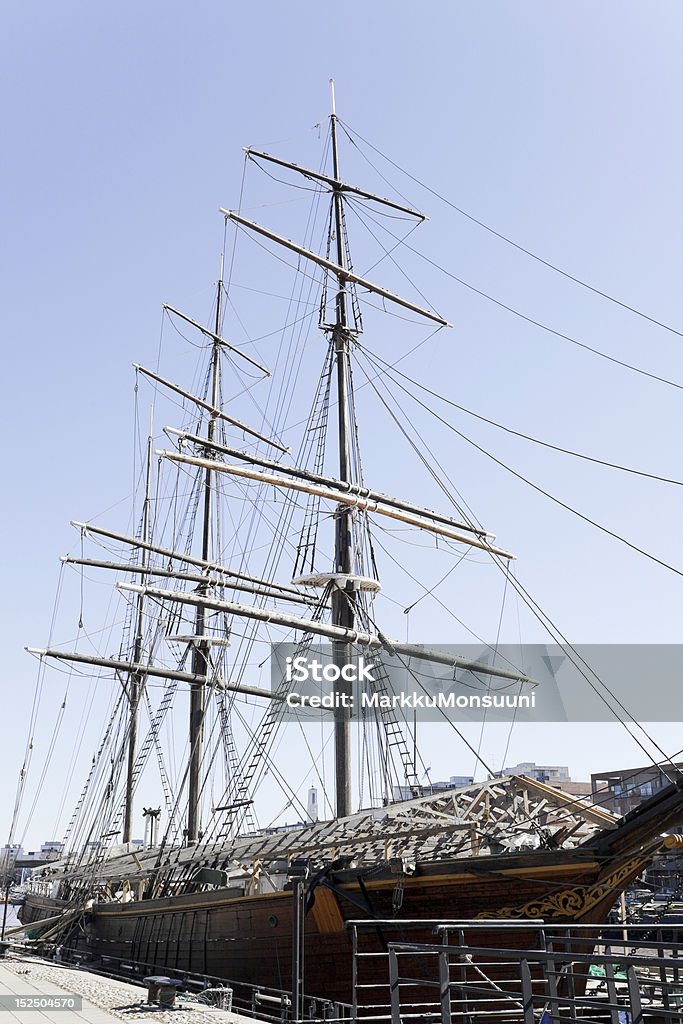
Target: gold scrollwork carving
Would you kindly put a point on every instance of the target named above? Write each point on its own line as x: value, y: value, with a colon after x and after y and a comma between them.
x: 577, y: 900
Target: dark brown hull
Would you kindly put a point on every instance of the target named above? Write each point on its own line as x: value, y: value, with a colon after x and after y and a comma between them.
x: 248, y: 938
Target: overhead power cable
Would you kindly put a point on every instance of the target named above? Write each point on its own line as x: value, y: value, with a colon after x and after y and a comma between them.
x: 510, y: 241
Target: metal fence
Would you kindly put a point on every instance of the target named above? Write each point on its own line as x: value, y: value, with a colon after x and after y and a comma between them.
x: 258, y: 1001
x: 534, y: 974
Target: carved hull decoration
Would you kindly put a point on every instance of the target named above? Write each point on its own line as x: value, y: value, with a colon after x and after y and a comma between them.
x: 578, y: 901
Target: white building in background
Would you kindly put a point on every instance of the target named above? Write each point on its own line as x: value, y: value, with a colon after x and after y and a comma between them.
x: 429, y: 787
x: 312, y: 804
x: 10, y: 852
x: 550, y: 773
x: 554, y: 775
x: 51, y: 850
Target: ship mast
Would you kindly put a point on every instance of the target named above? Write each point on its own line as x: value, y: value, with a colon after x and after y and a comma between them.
x: 135, y: 680
x: 342, y: 599
x: 202, y: 646
x: 342, y: 333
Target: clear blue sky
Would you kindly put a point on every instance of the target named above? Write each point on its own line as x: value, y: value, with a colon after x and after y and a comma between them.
x: 558, y: 124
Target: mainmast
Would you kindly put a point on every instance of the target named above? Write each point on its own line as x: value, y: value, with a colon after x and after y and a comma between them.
x: 342, y: 331
x: 136, y: 679
x: 202, y: 646
x: 342, y: 599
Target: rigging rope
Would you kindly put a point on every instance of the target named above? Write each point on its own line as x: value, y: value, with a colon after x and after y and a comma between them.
x: 552, y: 629
x: 536, y: 487
x: 530, y: 319
x: 518, y: 433
x: 498, y: 234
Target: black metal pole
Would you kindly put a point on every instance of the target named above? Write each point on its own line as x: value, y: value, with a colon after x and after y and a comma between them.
x: 8, y: 887
x: 298, y: 950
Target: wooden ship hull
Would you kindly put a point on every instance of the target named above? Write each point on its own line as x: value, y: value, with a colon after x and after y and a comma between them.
x: 243, y: 938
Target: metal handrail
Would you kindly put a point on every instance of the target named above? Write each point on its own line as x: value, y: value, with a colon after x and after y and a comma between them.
x: 643, y: 973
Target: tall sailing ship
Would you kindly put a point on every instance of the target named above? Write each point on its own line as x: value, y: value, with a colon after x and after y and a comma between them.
x: 212, y: 893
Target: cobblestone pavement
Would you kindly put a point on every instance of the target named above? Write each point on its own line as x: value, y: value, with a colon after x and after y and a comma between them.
x: 119, y: 998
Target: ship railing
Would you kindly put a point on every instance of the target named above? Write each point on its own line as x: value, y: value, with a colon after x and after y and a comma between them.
x: 535, y: 973
x: 39, y: 886
x: 258, y: 1001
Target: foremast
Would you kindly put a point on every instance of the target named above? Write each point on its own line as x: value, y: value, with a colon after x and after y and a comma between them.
x: 202, y: 647
x: 136, y: 679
